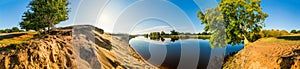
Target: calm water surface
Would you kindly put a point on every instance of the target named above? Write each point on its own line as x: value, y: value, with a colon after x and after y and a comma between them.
x: 182, y: 53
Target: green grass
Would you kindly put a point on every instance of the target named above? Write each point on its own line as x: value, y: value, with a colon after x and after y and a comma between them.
x: 18, y: 39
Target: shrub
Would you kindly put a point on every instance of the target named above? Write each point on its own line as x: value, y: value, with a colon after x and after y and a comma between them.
x: 294, y: 31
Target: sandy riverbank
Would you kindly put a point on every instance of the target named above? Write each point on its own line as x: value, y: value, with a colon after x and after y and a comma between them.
x: 268, y: 53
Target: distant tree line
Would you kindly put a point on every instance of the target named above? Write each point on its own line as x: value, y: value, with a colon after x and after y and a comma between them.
x: 162, y: 34
x: 273, y: 33
x: 13, y: 29
x: 173, y: 32
x: 204, y: 33
x: 251, y: 35
x: 175, y: 35
x: 267, y: 33
x: 295, y: 31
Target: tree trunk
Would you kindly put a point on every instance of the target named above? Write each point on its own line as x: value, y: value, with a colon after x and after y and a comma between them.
x: 44, y: 30
x: 245, y: 40
x: 48, y: 30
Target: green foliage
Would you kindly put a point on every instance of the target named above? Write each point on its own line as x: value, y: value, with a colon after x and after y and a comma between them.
x: 253, y: 36
x: 272, y: 33
x: 204, y: 33
x: 239, y: 17
x: 174, y: 38
x: 155, y: 35
x: 1, y: 31
x: 203, y: 36
x: 294, y: 31
x: 13, y: 29
x: 7, y: 30
x: 146, y: 35
x: 44, y: 14
x: 173, y: 32
x: 162, y: 33
x: 214, y: 22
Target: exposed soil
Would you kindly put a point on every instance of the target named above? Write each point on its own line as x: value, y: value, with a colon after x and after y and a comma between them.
x: 77, y: 47
x: 52, y: 51
x: 267, y: 53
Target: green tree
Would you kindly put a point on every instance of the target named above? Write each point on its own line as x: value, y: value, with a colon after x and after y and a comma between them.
x: 15, y: 29
x: 214, y: 22
x: 204, y: 33
x: 155, y: 35
x: 44, y: 14
x: 1, y: 31
x: 146, y: 35
x: 239, y: 17
x: 162, y: 33
x: 30, y: 22
x: 294, y: 31
x: 173, y: 32
x: 7, y: 30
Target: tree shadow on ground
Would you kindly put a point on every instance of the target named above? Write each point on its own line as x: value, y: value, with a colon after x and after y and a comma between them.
x: 289, y: 37
x: 11, y: 36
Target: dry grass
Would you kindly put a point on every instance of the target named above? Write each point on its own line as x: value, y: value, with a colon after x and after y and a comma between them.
x: 18, y: 39
x: 276, y: 41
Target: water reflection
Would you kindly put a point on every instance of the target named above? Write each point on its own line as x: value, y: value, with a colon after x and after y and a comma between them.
x: 176, y: 53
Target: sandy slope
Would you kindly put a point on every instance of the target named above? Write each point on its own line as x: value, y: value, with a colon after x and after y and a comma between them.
x: 267, y: 53
x: 83, y: 47
x: 111, y: 51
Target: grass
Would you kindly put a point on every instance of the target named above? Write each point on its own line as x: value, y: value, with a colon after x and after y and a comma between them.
x: 281, y: 41
x: 18, y: 39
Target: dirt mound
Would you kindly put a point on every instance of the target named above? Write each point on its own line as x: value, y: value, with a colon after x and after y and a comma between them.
x: 267, y: 53
x: 53, y: 51
x: 75, y: 47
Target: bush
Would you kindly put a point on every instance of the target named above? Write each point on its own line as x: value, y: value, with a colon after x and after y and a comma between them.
x: 13, y: 29
x: 284, y: 32
x: 1, y: 31
x: 294, y: 31
x: 173, y: 32
x: 154, y: 35
x: 273, y: 33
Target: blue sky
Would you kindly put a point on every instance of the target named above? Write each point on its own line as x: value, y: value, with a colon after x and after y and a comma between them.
x: 11, y: 12
x: 283, y: 14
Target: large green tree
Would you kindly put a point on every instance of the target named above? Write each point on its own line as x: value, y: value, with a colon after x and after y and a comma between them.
x: 44, y: 14
x: 215, y: 24
x: 239, y: 17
